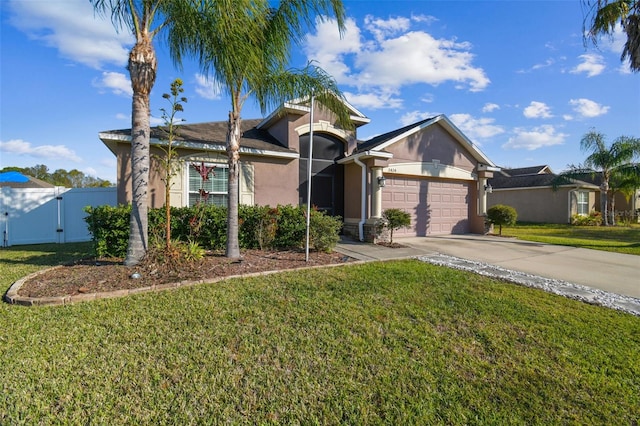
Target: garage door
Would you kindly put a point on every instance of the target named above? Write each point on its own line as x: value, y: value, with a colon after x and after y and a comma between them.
x: 436, y: 207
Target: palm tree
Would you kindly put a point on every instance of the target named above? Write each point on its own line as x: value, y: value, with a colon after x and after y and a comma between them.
x: 602, y: 16
x: 145, y: 19
x: 612, y: 163
x: 245, y: 46
x: 627, y: 185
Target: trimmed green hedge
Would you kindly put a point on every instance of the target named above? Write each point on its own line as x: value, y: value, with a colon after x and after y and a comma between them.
x: 260, y: 227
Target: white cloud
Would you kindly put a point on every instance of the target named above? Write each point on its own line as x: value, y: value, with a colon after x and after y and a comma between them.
x: 116, y: 82
x: 73, y: 29
x: 490, y: 107
x: 537, y: 110
x: 206, y: 88
x: 121, y: 116
x: 592, y: 64
x: 90, y: 171
x: 394, y: 58
x: 476, y: 128
x: 384, y: 28
x: 538, y: 137
x: 329, y: 50
x: 415, y: 116
x: 20, y: 147
x: 427, y: 19
x: 374, y: 100
x: 588, y: 108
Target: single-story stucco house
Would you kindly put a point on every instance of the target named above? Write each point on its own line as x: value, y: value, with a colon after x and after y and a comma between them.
x: 429, y: 169
x: 530, y: 191
x: 623, y: 204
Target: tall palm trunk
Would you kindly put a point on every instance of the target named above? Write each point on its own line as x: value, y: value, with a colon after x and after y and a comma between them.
x: 142, y: 69
x: 604, y: 189
x: 233, y: 147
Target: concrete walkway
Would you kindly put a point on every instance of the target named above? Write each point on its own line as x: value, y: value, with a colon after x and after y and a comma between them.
x: 600, y: 271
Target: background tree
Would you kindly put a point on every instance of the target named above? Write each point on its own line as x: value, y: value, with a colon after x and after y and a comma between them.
x: 169, y: 165
x: 601, y: 18
x: 244, y: 45
x: 502, y: 215
x: 61, y: 177
x: 609, y: 162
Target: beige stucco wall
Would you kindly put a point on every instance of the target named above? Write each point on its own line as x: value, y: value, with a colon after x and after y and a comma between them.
x: 433, y: 143
x: 540, y: 205
x: 275, y: 181
x: 353, y: 183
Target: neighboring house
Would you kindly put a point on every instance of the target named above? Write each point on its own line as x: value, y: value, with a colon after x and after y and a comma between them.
x: 429, y: 169
x: 18, y: 180
x: 530, y: 191
x: 627, y: 205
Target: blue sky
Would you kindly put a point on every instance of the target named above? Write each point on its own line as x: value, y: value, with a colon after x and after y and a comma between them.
x: 514, y: 76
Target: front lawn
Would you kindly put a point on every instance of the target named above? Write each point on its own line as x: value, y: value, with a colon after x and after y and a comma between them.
x: 400, y: 342
x: 620, y: 239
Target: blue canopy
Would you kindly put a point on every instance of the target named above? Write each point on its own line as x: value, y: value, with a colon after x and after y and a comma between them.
x: 15, y: 177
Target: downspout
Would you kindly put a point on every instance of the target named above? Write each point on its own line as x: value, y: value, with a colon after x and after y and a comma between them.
x: 363, y: 198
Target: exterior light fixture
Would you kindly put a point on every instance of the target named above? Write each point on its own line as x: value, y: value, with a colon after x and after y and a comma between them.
x: 382, y: 181
x: 488, y: 188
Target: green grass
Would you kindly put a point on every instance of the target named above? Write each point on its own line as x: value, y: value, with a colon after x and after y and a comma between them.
x: 619, y: 239
x: 18, y: 261
x: 400, y: 342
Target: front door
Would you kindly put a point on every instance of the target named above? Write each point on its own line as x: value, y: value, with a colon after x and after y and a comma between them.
x: 327, y: 177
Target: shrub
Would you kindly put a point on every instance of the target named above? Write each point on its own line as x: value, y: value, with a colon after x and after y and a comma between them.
x: 109, y: 228
x: 393, y: 219
x: 205, y: 227
x: 291, y: 225
x: 324, y: 231
x: 258, y: 226
x: 594, y: 219
x: 502, y: 215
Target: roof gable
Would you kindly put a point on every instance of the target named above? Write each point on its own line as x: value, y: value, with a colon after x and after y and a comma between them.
x: 301, y: 106
x: 381, y: 142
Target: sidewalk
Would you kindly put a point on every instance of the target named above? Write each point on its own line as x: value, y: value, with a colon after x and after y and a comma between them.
x: 604, y: 278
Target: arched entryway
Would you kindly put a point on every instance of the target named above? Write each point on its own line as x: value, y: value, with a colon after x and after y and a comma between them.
x: 327, y: 177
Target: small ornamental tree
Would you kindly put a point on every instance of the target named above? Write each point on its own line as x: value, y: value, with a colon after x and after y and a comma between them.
x: 168, y: 161
x: 393, y: 219
x: 502, y: 215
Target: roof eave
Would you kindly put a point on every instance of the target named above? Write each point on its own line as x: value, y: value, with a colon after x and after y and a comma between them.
x: 110, y: 139
x: 364, y: 155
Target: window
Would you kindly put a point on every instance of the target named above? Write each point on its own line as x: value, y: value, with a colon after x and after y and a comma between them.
x: 209, y: 190
x: 583, y: 203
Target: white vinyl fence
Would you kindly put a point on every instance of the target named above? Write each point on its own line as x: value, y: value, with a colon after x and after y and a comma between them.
x: 48, y: 215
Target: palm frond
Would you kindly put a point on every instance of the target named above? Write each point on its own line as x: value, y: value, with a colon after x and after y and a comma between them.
x: 286, y: 84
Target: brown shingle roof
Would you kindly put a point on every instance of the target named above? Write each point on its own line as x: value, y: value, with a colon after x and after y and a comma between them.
x: 380, y: 139
x: 215, y: 132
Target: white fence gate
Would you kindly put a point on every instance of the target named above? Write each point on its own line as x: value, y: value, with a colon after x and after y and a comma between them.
x: 48, y: 215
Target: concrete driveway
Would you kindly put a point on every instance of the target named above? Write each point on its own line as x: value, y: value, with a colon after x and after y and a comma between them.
x: 611, y: 272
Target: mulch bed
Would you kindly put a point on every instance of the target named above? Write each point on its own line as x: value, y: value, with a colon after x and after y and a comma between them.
x: 106, y: 275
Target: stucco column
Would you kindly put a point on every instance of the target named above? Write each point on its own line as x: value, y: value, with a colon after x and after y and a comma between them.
x: 376, y: 193
x: 482, y: 199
